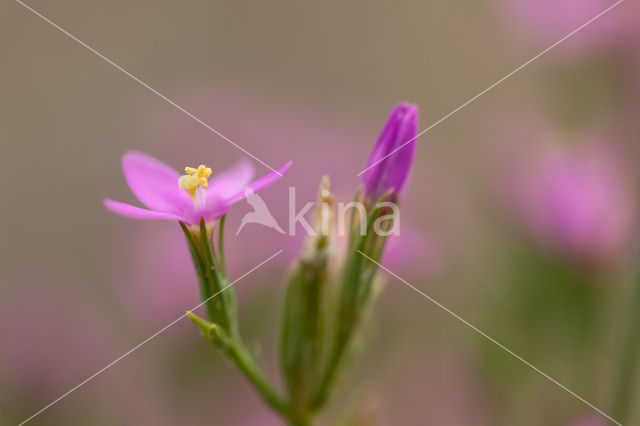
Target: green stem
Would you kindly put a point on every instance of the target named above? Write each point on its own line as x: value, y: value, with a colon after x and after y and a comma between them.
x: 355, y: 288
x: 223, y: 264
x: 213, y: 281
x: 355, y: 291
x: 240, y: 355
x: 206, y: 291
x: 246, y: 363
x: 628, y: 361
x: 346, y: 321
x: 218, y: 277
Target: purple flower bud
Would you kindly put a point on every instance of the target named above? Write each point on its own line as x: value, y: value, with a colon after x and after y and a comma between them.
x: 390, y: 161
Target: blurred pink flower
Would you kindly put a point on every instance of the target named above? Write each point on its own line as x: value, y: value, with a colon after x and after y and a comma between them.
x: 548, y: 21
x: 576, y: 199
x: 590, y: 421
x: 414, y: 251
x: 51, y: 338
x: 160, y: 282
x: 156, y: 185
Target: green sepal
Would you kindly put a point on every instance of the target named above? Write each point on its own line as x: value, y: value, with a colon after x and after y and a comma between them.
x: 206, y: 289
x: 220, y: 302
x: 212, y: 333
x: 302, y: 333
x: 355, y: 296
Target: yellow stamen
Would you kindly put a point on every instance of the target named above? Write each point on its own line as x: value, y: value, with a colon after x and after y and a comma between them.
x: 194, y: 179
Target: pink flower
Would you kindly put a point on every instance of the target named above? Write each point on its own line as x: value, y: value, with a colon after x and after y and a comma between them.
x: 576, y: 199
x: 188, y: 198
x: 591, y: 421
x: 547, y: 21
x: 45, y: 359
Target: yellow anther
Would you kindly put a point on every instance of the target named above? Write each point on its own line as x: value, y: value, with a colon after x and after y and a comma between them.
x: 194, y: 179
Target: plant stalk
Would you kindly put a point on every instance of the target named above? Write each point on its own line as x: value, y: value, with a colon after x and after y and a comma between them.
x: 623, y: 390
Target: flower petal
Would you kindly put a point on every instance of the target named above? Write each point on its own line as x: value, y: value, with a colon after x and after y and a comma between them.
x: 258, y: 185
x: 154, y: 183
x: 390, y: 161
x: 134, y: 212
x: 214, y: 208
x: 230, y: 182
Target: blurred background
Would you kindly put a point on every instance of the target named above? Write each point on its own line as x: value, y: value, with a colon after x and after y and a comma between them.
x: 521, y: 214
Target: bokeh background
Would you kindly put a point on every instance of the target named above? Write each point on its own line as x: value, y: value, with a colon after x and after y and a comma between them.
x: 521, y: 214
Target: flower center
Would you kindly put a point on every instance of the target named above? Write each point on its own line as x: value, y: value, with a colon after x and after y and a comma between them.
x: 195, y: 181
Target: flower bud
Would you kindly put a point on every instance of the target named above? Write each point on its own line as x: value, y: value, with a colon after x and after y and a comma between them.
x: 390, y: 161
x: 302, y: 334
x: 383, y: 181
x: 319, y: 243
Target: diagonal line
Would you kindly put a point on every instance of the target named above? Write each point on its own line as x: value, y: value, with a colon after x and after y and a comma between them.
x: 494, y: 85
x: 494, y: 341
x: 145, y: 341
x: 146, y: 86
